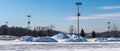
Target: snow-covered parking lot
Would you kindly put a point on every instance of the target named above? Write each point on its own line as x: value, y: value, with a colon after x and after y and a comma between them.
x: 55, y: 46
x: 59, y: 42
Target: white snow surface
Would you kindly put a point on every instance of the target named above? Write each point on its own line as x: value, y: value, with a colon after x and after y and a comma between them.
x: 56, y: 46
x: 71, y: 43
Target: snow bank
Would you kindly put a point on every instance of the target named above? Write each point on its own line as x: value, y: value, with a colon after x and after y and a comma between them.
x: 76, y: 38
x: 26, y: 39
x: 36, y: 39
x: 108, y: 39
x: 62, y: 37
x: 44, y: 39
x: 100, y: 39
x: 7, y: 36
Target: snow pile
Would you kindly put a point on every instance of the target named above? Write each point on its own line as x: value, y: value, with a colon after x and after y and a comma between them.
x: 112, y: 39
x: 62, y: 37
x: 76, y: 38
x: 44, y: 39
x: 100, y: 39
x: 26, y: 39
x: 36, y: 39
x: 7, y: 36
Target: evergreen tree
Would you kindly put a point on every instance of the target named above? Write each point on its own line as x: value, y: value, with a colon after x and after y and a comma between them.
x: 82, y: 33
x: 93, y: 34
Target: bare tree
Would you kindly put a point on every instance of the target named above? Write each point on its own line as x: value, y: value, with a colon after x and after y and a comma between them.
x: 115, y: 30
x: 52, y: 27
x: 71, y: 29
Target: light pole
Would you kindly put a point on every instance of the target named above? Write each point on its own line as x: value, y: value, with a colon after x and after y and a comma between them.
x: 28, y: 23
x: 108, y: 28
x: 78, y: 14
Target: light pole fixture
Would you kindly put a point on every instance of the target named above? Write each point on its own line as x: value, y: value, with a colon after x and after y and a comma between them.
x: 108, y: 28
x: 78, y: 14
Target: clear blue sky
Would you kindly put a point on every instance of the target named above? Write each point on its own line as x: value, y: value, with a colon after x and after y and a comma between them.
x: 62, y: 13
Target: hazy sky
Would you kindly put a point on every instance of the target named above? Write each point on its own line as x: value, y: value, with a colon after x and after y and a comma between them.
x: 62, y: 13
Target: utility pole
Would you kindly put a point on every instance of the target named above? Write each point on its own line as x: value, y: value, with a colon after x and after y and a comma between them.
x: 78, y: 14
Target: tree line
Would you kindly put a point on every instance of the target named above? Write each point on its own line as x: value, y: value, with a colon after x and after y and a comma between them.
x: 113, y: 32
x: 20, y: 31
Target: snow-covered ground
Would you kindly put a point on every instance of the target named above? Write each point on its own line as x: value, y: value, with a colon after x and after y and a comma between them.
x: 59, y: 42
x: 55, y: 46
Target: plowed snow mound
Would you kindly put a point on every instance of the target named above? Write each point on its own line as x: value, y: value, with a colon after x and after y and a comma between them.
x: 25, y: 39
x: 44, y: 39
x: 62, y: 37
x: 36, y: 39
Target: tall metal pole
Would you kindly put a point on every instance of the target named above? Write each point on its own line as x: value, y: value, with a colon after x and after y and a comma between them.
x: 78, y: 14
x: 108, y: 28
x: 28, y: 23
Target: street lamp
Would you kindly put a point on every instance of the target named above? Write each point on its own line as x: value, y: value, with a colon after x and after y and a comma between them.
x: 28, y: 23
x: 108, y: 28
x: 78, y: 14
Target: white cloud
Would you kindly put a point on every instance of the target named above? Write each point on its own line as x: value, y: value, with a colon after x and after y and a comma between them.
x: 83, y: 18
x: 108, y: 15
x: 110, y: 7
x: 98, y: 16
